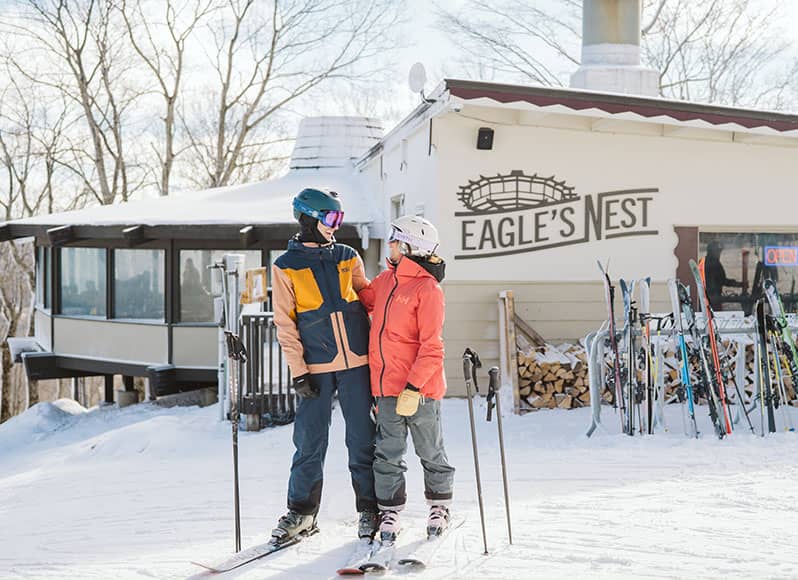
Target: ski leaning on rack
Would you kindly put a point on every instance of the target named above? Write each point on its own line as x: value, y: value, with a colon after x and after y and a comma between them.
x: 629, y: 321
x: 615, y: 380
x: 645, y: 362
x: 765, y: 384
x: 782, y: 326
x: 254, y: 553
x: 711, y: 340
x: 687, y: 383
x: 705, y: 372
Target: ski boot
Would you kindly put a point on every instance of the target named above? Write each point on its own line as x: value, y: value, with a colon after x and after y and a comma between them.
x: 438, y: 520
x: 367, y: 524
x: 293, y: 524
x: 389, y: 526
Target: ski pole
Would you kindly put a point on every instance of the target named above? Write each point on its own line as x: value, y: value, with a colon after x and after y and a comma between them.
x: 493, y: 390
x: 237, y: 354
x: 471, y: 363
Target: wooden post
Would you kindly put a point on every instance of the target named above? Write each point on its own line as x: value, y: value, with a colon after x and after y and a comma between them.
x: 109, y: 389
x: 508, y: 357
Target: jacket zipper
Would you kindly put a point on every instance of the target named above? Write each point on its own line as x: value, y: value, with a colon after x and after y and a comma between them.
x: 382, y: 329
x: 338, y: 316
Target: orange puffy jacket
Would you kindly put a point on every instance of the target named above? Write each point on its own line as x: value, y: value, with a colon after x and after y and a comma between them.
x: 405, y: 343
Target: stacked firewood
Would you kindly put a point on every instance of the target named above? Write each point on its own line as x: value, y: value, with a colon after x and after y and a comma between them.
x: 553, y: 377
x: 556, y: 376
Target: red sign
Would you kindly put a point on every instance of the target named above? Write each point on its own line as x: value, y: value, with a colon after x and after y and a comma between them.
x: 781, y: 256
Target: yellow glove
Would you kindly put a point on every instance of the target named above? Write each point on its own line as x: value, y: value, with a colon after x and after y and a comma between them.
x: 407, y: 403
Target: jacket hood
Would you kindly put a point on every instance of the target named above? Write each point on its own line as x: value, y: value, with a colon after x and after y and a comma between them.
x: 295, y: 245
x: 413, y: 266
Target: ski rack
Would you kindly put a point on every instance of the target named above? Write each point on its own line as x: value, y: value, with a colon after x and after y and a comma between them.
x: 742, y: 330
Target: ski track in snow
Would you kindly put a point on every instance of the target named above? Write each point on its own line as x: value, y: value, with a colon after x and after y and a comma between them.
x: 140, y: 492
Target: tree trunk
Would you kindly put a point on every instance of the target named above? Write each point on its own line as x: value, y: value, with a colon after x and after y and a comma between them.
x: 33, y: 393
x: 6, y: 412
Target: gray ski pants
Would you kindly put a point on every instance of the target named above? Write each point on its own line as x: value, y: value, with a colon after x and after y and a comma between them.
x: 389, y: 463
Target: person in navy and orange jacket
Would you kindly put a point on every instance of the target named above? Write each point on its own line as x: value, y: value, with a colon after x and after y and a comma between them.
x: 323, y: 330
x: 407, y: 378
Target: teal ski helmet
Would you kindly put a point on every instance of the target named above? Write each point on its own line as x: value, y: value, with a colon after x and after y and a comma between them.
x: 321, y: 204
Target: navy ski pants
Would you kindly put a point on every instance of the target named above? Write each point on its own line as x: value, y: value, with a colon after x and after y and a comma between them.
x: 311, y: 432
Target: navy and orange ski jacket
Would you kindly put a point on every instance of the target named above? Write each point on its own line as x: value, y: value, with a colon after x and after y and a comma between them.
x: 322, y: 326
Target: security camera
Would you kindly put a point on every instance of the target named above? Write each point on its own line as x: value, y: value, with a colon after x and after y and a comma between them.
x: 457, y: 107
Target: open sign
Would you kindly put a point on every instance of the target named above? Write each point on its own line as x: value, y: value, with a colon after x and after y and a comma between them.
x: 781, y: 255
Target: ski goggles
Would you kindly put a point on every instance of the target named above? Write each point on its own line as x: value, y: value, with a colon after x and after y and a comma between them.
x: 332, y: 218
x: 398, y: 235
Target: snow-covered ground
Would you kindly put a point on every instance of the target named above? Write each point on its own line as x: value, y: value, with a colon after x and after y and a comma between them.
x: 142, y: 491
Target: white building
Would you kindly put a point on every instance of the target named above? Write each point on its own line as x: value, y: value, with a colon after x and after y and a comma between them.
x: 529, y: 187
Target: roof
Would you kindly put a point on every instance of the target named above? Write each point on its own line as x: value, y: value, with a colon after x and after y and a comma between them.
x: 186, y: 214
x: 625, y: 106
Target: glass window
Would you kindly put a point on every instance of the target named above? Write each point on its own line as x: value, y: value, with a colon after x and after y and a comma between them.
x: 43, y: 290
x: 196, y: 293
x: 83, y: 281
x: 139, y: 284
x: 737, y: 264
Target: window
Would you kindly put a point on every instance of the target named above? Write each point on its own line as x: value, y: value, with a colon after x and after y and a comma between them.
x: 196, y: 294
x: 737, y: 264
x: 397, y: 206
x: 43, y: 290
x: 139, y: 284
x: 83, y: 273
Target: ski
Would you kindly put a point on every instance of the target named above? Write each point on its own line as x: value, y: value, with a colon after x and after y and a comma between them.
x: 644, y: 358
x: 254, y: 553
x: 629, y: 321
x: 363, y: 552
x: 712, y: 338
x: 417, y: 560
x: 782, y: 324
x: 687, y: 384
x: 765, y: 385
x: 609, y: 294
x: 705, y: 372
x: 379, y: 560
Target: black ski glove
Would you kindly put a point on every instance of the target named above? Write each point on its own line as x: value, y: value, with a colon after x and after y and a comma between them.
x: 305, y: 388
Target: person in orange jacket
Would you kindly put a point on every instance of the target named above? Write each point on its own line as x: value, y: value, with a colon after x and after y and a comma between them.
x: 406, y: 364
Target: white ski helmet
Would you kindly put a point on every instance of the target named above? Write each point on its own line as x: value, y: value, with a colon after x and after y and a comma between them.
x: 417, y: 236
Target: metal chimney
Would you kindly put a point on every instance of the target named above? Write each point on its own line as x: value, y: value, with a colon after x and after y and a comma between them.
x: 611, y: 50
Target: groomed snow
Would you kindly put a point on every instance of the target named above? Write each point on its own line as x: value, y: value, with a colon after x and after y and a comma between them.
x: 139, y: 492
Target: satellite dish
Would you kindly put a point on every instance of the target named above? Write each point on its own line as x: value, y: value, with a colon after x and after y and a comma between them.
x: 417, y: 78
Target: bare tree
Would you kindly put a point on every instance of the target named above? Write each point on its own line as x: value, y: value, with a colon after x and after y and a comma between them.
x: 268, y: 55
x: 91, y: 65
x: 16, y: 294
x: 165, y: 58
x: 513, y: 40
x: 729, y: 52
x: 32, y: 149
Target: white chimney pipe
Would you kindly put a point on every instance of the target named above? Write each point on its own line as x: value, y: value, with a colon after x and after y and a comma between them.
x: 611, y: 50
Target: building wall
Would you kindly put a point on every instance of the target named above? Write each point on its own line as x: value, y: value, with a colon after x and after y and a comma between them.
x: 560, y: 312
x: 134, y: 343
x: 705, y: 179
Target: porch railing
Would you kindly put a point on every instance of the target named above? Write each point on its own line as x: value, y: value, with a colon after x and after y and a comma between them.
x: 266, y: 395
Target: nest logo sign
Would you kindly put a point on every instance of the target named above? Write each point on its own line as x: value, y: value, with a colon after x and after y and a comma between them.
x: 516, y: 213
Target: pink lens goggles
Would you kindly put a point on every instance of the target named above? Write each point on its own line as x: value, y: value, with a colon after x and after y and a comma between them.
x: 332, y: 218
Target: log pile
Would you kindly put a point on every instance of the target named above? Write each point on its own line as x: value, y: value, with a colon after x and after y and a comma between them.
x: 552, y: 377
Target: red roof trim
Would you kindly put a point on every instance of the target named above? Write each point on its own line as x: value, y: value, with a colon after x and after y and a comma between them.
x: 613, y: 104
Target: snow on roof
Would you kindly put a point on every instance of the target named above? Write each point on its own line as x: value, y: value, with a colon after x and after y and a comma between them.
x: 262, y: 203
